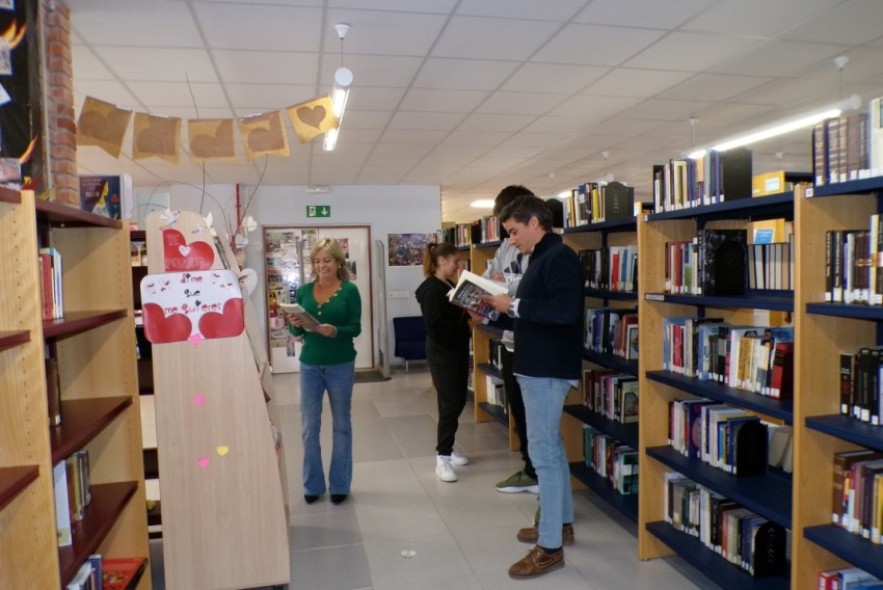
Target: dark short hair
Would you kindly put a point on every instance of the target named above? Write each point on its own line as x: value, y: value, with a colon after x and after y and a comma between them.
x: 509, y: 194
x: 523, y: 208
x: 557, y: 209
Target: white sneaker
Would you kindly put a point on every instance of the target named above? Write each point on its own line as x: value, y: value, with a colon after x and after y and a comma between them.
x: 444, y: 470
x: 458, y: 459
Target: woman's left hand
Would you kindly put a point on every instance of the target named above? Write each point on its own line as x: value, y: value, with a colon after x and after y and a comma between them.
x: 326, y: 330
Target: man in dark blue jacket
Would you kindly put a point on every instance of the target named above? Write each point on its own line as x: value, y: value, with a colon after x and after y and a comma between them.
x: 548, y: 310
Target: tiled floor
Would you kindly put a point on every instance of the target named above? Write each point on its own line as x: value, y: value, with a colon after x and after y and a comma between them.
x: 462, y: 534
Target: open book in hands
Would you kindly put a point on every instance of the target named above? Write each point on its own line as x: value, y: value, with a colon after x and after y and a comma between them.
x: 309, y: 322
x: 471, y: 290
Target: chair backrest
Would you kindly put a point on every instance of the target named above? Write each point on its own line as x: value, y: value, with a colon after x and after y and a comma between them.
x: 410, y: 337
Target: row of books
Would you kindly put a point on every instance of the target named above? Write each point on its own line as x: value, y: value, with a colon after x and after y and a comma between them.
x: 612, y: 330
x: 848, y: 579
x: 771, y: 266
x: 612, y: 394
x: 51, y: 283
x: 103, y: 573
x: 754, y: 358
x: 853, y: 265
x: 614, y: 268
x: 72, y: 493
x: 857, y: 499
x: 495, y: 392
x: 716, y: 177
x: 861, y: 378
x: 611, y: 459
x: 849, y: 147
x: 738, y: 535
x: 594, y: 202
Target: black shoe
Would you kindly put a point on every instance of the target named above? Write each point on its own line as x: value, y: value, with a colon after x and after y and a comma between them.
x: 310, y: 498
x: 338, y: 498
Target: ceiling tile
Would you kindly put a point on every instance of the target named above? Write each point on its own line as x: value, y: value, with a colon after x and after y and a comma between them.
x: 112, y: 92
x: 594, y: 45
x: 434, y: 6
x: 859, y: 21
x: 382, y: 175
x: 714, y: 87
x: 665, y: 110
x: 560, y: 10
x: 588, y: 108
x: 493, y: 122
x: 179, y: 94
x: 374, y: 99
x: 158, y: 63
x: 635, y: 12
x: 451, y: 101
x: 553, y: 78
x: 520, y: 103
x: 266, y: 67
x: 372, y: 70
x: 636, y: 82
x: 790, y: 92
x: 275, y: 28
x: 757, y: 17
x: 492, y: 38
x: 625, y: 127
x: 87, y: 66
x: 691, y: 51
x: 781, y: 58
x: 463, y: 74
x: 468, y: 135
x: 269, y: 96
x: 372, y: 120
x: 525, y: 139
x: 411, y: 136
x: 425, y: 120
x: 191, y: 113
x: 517, y: 153
x: 159, y: 23
x: 376, y: 32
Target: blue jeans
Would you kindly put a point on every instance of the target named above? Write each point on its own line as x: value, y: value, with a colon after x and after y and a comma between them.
x: 338, y: 381
x: 543, y: 406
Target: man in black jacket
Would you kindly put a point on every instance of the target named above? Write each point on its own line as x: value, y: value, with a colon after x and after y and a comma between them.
x: 547, y: 309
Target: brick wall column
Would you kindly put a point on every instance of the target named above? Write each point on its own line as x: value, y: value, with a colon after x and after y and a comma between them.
x: 61, y: 143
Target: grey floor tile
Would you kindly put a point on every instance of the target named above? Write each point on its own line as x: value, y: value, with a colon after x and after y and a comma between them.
x: 340, y: 568
x: 467, y: 583
x: 435, y: 557
x: 328, y: 528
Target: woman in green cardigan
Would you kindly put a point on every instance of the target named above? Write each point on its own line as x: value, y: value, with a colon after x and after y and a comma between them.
x: 327, y: 363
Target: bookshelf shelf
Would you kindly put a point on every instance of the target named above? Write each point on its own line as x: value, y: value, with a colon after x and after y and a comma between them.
x: 80, y: 321
x: 625, y: 433
x: 61, y: 214
x: 852, y: 187
x: 843, y: 310
x: 9, y: 196
x: 720, y: 571
x: 768, y: 495
x: 14, y: 338
x: 781, y: 204
x: 13, y: 480
x: 108, y: 502
x: 850, y: 429
x: 628, y: 505
x: 858, y: 551
x: 81, y: 421
x: 489, y: 369
x: 493, y: 244
x: 608, y: 294
x: 611, y: 361
x: 769, y: 300
x: 496, y: 412
x: 615, y: 225
x: 781, y: 409
x: 490, y: 331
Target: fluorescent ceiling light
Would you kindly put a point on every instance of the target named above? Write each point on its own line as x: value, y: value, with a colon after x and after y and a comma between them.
x: 783, y: 127
x: 343, y: 80
x: 482, y: 204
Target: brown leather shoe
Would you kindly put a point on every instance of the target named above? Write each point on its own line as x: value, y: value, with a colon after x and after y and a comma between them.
x: 537, y: 563
x: 532, y: 535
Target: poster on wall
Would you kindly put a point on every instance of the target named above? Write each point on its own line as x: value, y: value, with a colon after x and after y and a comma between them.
x: 407, y: 249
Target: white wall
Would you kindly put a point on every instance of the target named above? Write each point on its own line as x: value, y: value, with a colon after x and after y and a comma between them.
x: 386, y: 209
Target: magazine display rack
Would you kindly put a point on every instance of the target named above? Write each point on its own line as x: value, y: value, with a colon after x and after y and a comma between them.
x: 224, y: 518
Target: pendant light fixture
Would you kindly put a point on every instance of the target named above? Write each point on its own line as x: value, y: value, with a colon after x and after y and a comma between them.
x: 343, y: 80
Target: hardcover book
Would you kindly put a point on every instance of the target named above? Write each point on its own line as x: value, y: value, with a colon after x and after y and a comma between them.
x: 619, y: 201
x: 122, y: 573
x: 723, y: 258
x: 303, y: 315
x: 471, y: 290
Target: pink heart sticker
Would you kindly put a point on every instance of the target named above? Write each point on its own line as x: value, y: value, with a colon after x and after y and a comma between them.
x: 195, y: 338
x: 198, y: 400
x: 203, y: 462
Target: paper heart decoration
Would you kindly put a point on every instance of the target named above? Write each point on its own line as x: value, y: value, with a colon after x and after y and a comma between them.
x: 223, y: 325
x: 222, y: 450
x: 312, y: 116
x: 248, y: 279
x: 181, y: 256
x: 203, y: 462
x: 160, y: 329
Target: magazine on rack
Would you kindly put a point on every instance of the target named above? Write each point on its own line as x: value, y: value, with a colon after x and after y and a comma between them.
x: 471, y: 290
x: 296, y: 310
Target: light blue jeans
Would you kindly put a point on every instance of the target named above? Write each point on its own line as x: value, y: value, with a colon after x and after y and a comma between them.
x: 543, y: 406
x: 338, y: 381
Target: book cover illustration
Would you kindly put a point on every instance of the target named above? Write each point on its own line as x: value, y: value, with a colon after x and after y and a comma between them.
x: 122, y: 573
x: 471, y: 290
x: 109, y: 196
x: 192, y: 306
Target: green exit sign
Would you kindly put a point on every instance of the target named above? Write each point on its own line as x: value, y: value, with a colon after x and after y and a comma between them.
x: 318, y: 211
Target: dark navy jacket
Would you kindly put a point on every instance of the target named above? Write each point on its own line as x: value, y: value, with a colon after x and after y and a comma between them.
x: 549, y: 331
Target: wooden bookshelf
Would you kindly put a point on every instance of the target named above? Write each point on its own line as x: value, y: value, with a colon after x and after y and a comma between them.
x: 771, y: 494
x: 601, y: 487
x: 14, y: 338
x: 13, y: 480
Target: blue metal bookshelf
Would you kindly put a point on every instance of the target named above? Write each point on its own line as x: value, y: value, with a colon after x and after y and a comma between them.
x: 781, y: 204
x: 846, y: 428
x: 496, y: 412
x: 852, y: 187
x: 771, y: 300
x: 859, y: 552
x: 608, y: 294
x: 625, y: 433
x: 601, y: 486
x: 844, y: 310
x: 615, y: 225
x: 611, y: 361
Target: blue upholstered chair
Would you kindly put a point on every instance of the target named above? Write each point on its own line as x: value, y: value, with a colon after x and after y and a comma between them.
x: 410, y: 338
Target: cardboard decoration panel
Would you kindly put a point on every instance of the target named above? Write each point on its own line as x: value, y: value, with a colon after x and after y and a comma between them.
x: 224, y: 520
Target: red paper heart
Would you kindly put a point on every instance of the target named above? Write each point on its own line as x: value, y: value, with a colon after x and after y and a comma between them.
x: 223, y: 325
x: 181, y: 256
x: 160, y: 329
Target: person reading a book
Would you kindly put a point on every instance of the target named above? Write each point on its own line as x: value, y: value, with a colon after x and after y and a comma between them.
x: 547, y: 310
x: 447, y: 351
x: 327, y: 363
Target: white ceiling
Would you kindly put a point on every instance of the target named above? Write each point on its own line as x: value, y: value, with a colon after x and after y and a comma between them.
x: 473, y: 95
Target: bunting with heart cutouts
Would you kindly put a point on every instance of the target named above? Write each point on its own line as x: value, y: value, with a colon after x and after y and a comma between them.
x: 105, y: 125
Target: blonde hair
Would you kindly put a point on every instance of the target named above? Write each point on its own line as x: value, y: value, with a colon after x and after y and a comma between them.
x: 333, y: 248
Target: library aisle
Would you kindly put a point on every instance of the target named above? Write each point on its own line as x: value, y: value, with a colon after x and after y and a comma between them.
x: 463, y: 533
